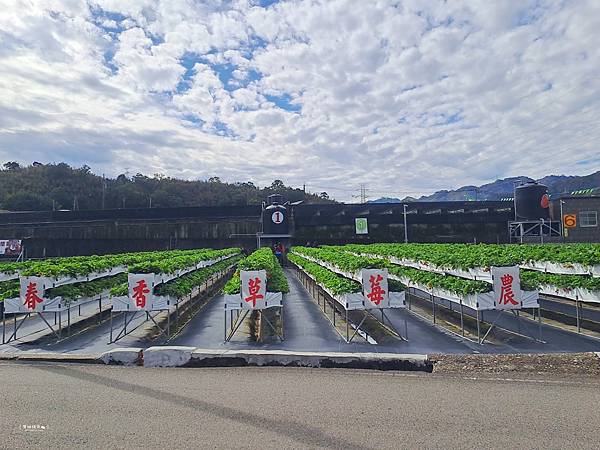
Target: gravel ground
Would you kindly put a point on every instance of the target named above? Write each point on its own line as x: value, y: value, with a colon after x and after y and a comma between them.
x: 580, y: 364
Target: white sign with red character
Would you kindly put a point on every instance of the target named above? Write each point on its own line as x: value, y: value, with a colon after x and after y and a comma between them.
x: 141, y: 286
x: 31, y: 296
x: 375, y: 288
x: 253, y: 293
x: 254, y: 289
x: 32, y: 293
x: 507, y: 287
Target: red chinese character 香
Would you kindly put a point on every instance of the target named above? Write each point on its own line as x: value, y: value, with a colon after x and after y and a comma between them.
x: 31, y: 296
x: 507, y: 296
x: 377, y: 293
x: 139, y: 293
x: 254, y: 289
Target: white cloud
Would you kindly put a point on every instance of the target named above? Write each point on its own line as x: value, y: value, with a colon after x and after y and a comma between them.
x: 407, y: 97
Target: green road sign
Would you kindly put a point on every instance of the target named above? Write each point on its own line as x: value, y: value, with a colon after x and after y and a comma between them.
x: 362, y: 226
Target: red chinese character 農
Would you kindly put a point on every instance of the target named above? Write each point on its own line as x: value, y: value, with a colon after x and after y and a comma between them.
x: 31, y: 296
x: 507, y: 296
x: 254, y: 289
x: 139, y: 293
x: 376, y: 294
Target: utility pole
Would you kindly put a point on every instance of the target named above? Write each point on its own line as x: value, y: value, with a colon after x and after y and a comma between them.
x: 363, y: 194
x: 405, y: 228
x: 103, y: 191
x: 562, y: 224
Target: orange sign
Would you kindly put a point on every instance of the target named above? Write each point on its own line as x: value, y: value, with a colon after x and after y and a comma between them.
x: 570, y: 220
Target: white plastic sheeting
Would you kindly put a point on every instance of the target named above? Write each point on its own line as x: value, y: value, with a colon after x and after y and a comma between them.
x: 236, y: 302
x: 484, y: 274
x: 578, y: 294
x: 155, y: 303
x: 481, y: 301
x: 57, y: 304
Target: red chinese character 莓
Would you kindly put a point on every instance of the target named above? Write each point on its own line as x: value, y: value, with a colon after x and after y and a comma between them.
x: 139, y: 293
x: 31, y: 296
x: 254, y: 289
x: 377, y: 293
x: 507, y: 296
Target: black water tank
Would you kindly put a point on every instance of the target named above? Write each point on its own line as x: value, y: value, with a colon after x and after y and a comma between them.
x: 532, y: 202
x: 275, y: 216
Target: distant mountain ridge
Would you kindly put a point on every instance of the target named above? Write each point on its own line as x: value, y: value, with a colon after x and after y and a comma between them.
x: 499, y: 189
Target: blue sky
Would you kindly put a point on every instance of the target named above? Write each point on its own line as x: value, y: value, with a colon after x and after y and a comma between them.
x: 406, y: 96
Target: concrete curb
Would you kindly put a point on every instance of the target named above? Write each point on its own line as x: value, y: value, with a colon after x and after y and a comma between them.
x: 51, y: 357
x: 179, y: 356
x: 167, y: 356
x: 278, y: 358
x: 123, y: 357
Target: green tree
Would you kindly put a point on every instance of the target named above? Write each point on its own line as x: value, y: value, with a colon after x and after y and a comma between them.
x: 27, y: 201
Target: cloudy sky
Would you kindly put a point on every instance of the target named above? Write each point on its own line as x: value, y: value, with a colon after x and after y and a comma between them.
x: 407, y: 97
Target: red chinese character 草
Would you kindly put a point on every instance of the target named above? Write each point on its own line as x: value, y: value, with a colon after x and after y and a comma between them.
x: 31, y: 297
x: 139, y: 293
x: 507, y: 296
x: 376, y: 294
x: 254, y: 289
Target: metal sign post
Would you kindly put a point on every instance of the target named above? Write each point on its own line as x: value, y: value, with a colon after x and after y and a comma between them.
x: 253, y: 296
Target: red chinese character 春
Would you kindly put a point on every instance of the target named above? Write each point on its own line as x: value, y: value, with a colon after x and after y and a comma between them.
x: 254, y: 289
x: 139, y: 293
x: 507, y: 296
x: 31, y: 297
x: 376, y: 294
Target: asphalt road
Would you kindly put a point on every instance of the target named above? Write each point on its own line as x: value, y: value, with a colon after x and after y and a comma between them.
x: 118, y: 407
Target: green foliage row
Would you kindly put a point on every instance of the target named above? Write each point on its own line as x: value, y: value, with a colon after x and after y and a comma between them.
x: 9, y: 289
x: 456, y: 285
x: 83, y: 265
x: 331, y: 281
x: 261, y: 259
x: 466, y: 256
x: 534, y: 280
x: 342, y: 260
x: 352, y: 263
x: 182, y: 286
x: 11, y: 268
x: 469, y: 256
x: 120, y: 290
x: 172, y: 263
x: 75, y: 291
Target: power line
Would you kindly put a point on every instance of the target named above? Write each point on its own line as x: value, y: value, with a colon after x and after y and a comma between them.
x: 363, y: 194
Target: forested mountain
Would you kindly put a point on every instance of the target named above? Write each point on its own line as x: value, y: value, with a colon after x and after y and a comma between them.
x: 59, y: 186
x: 557, y: 185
